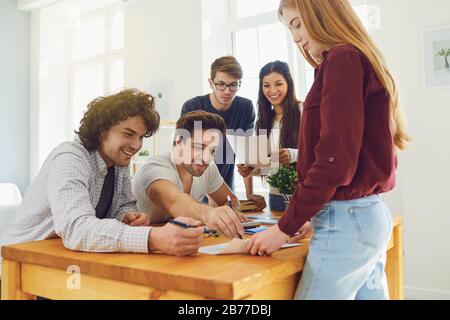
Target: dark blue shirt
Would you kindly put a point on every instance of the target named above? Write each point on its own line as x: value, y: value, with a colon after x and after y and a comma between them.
x: 240, y: 115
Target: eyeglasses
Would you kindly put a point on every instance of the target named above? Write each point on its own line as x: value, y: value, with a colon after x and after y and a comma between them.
x: 222, y: 86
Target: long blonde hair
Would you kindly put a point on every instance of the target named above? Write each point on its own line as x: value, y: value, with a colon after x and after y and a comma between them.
x: 333, y: 23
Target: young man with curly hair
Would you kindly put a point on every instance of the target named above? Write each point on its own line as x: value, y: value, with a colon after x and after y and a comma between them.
x: 82, y: 193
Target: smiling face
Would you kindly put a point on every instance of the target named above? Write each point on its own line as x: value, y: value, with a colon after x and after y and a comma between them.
x: 196, y: 152
x: 122, y: 141
x: 300, y: 34
x: 275, y: 88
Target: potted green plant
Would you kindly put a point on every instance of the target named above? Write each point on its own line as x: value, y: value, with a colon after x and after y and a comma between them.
x: 143, y: 153
x: 445, y: 53
x: 141, y: 157
x: 285, y: 180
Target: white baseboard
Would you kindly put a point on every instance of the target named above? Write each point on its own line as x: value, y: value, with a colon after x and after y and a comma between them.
x: 425, y: 294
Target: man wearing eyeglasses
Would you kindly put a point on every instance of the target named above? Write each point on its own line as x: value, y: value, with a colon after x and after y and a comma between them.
x: 237, y: 112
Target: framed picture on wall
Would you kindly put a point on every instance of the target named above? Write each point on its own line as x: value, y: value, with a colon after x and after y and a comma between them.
x: 436, y: 45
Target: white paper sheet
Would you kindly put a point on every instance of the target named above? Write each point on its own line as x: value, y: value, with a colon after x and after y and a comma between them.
x: 235, y: 246
x: 252, y: 150
x: 265, y: 221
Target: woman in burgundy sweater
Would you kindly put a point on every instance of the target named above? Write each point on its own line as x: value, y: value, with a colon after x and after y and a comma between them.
x: 350, y: 129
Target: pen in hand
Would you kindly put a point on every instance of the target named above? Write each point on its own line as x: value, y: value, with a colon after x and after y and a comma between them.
x: 186, y: 226
x: 231, y: 206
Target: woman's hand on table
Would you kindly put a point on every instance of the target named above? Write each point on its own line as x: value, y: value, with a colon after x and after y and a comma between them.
x: 267, y: 242
x: 304, y: 232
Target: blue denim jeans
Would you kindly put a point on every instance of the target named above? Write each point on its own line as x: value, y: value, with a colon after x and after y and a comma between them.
x: 276, y: 202
x: 347, y: 253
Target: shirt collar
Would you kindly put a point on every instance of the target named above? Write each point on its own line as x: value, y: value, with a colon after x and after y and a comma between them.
x: 100, y: 163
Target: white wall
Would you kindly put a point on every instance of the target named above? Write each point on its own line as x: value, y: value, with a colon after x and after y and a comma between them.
x: 163, y: 42
x: 53, y: 96
x: 216, y: 35
x: 424, y: 169
x: 14, y: 111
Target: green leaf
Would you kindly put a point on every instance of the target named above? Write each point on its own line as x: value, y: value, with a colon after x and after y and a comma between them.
x: 284, y: 179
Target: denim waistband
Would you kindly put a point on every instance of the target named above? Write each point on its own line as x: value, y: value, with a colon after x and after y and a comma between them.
x: 375, y: 197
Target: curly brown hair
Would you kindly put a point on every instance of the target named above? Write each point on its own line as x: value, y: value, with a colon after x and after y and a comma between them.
x: 106, y: 112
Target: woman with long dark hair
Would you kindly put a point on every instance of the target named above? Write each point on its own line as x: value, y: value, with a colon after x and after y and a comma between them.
x: 279, y: 119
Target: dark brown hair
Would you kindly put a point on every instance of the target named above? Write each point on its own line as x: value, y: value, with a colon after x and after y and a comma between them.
x: 208, y: 120
x: 228, y: 65
x: 106, y: 112
x: 290, y: 122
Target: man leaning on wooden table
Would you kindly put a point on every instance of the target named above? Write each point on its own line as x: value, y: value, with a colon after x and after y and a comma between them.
x: 83, y: 194
x: 174, y: 184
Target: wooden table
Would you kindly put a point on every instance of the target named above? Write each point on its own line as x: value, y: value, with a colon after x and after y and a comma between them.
x: 41, y: 269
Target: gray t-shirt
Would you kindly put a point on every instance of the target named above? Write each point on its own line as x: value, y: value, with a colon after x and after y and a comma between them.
x: 163, y: 168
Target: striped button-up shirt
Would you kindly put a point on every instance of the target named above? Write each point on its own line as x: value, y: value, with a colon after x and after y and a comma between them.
x: 61, y: 203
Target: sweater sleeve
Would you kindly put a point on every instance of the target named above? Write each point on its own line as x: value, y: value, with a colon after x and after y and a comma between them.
x: 341, y: 134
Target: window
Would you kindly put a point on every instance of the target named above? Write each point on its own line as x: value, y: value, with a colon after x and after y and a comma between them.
x: 247, y: 8
x: 96, y: 59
